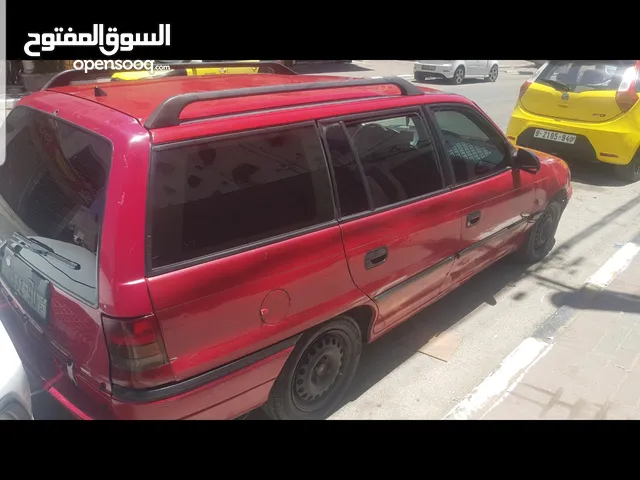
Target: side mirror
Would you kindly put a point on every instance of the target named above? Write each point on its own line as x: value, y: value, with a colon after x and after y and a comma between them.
x: 526, y: 161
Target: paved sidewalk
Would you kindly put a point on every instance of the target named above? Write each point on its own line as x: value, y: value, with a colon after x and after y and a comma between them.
x: 592, y: 368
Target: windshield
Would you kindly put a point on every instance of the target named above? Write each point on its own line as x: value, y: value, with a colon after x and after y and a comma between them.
x: 52, y: 196
x: 585, y: 75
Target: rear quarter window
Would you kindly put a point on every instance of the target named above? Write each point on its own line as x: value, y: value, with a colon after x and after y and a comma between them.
x: 213, y: 197
x: 52, y: 191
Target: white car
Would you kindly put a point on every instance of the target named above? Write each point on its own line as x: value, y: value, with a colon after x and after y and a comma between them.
x: 15, y: 392
x: 456, y: 70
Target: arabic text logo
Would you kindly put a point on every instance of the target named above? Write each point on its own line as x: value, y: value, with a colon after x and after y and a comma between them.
x: 109, y: 44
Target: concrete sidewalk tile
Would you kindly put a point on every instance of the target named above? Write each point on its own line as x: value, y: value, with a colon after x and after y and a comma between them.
x: 613, y: 339
x: 516, y: 408
x: 586, y: 331
x: 544, y: 379
x: 605, y: 384
x: 631, y: 274
x: 632, y: 342
x: 562, y: 359
x: 625, y: 359
x: 556, y: 412
x: 617, y: 411
x: 592, y: 365
x: 629, y: 391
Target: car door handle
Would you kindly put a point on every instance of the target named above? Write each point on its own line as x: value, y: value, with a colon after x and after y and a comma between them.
x: 375, y: 257
x: 473, y: 218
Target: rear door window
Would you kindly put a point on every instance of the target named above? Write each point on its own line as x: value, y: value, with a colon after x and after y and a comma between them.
x: 585, y: 75
x: 396, y: 161
x: 52, y: 198
x: 214, y: 197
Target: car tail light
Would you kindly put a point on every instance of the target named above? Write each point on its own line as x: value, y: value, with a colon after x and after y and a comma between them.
x: 626, y: 96
x: 532, y: 78
x: 137, y: 352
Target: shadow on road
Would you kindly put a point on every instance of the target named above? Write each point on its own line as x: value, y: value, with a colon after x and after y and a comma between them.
x: 444, y: 81
x: 328, y: 67
x: 596, y: 174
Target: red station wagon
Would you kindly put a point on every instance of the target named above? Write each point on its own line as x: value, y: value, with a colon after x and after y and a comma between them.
x: 199, y: 247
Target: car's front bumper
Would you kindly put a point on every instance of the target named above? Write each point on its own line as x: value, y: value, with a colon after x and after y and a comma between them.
x: 614, y: 142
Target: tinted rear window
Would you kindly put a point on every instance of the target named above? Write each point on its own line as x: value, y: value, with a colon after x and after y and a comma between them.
x: 216, y: 196
x: 584, y: 75
x: 52, y: 190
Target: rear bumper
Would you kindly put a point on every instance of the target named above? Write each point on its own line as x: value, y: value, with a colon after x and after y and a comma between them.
x: 614, y: 142
x: 445, y: 71
x: 223, y: 393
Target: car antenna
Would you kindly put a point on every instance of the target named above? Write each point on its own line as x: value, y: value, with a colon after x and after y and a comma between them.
x: 98, y: 92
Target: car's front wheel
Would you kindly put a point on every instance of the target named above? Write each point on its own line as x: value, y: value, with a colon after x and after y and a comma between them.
x: 317, y: 373
x: 458, y: 75
x: 420, y: 76
x: 542, y: 236
x: 493, y: 74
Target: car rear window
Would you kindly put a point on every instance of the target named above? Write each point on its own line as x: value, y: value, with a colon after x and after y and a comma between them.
x: 52, y: 192
x: 216, y: 196
x: 585, y: 75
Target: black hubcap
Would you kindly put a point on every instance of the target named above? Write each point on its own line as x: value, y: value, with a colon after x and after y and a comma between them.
x: 544, y: 231
x: 319, y: 371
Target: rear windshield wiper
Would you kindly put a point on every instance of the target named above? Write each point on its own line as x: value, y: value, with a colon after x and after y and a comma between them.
x: 45, y: 250
x: 556, y: 84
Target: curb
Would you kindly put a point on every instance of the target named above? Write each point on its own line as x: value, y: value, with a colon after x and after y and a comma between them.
x: 497, y: 385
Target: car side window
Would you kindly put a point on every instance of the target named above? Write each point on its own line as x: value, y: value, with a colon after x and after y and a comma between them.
x: 223, y: 194
x: 473, y: 149
x: 397, y: 157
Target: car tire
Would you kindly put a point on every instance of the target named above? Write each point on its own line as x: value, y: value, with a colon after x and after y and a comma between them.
x: 458, y: 75
x: 14, y: 411
x: 631, y: 172
x: 318, y: 372
x: 420, y: 76
x: 541, y: 237
x: 493, y: 73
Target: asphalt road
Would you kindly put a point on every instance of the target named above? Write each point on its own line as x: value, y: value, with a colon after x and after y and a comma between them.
x: 491, y: 314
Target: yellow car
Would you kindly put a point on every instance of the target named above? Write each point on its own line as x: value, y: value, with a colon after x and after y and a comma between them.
x: 584, y: 110
x: 139, y: 74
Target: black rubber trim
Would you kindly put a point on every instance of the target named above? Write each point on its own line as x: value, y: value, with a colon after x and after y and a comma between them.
x: 497, y: 234
x: 131, y: 395
x: 416, y: 278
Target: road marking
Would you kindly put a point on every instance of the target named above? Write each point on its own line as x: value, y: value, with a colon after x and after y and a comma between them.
x: 495, y: 385
x: 616, y: 264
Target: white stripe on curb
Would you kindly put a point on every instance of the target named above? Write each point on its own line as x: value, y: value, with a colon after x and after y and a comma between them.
x: 500, y: 381
x: 616, y: 264
x: 497, y: 386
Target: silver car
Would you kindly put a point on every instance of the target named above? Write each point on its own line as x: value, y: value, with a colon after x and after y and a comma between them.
x: 456, y: 70
x: 15, y: 392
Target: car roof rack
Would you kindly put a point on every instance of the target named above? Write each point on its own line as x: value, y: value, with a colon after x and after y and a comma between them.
x: 67, y: 77
x: 167, y: 114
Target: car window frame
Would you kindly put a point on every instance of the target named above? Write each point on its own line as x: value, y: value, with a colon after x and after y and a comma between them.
x: 383, y: 114
x: 89, y: 303
x: 151, y: 272
x: 485, y: 125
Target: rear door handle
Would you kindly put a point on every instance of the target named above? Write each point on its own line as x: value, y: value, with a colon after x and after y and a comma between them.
x: 375, y: 257
x: 473, y: 218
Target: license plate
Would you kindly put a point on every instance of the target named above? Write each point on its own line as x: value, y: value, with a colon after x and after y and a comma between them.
x: 555, y: 136
x: 428, y: 67
x: 30, y: 287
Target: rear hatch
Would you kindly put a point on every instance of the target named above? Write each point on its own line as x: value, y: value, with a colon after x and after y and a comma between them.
x: 52, y: 195
x: 580, y: 90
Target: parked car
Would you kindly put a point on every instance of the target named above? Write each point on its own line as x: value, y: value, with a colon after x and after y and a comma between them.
x: 456, y: 70
x: 582, y: 110
x: 15, y: 392
x: 140, y: 74
x: 226, y: 243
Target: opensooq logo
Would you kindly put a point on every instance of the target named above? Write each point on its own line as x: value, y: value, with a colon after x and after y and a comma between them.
x: 109, y: 44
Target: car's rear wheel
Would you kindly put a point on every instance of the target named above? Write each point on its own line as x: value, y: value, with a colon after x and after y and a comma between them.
x: 318, y: 372
x: 14, y: 411
x: 458, y: 75
x: 542, y: 236
x: 420, y: 76
x: 493, y: 74
x: 630, y: 172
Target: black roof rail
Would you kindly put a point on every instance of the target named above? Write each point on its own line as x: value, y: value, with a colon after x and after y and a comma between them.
x: 65, y: 78
x: 167, y: 114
